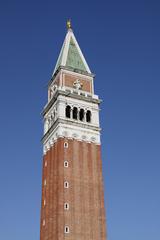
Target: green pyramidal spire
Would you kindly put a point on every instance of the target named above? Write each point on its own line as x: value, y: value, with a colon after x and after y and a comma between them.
x: 71, y: 55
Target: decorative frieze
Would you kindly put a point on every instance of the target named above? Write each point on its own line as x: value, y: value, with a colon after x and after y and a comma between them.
x: 71, y: 132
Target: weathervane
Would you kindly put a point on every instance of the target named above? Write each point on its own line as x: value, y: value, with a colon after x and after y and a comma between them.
x: 69, y: 26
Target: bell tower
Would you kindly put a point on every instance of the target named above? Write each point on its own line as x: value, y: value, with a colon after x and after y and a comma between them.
x: 72, y: 186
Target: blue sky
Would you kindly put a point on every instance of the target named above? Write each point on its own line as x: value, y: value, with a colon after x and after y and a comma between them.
x: 120, y: 40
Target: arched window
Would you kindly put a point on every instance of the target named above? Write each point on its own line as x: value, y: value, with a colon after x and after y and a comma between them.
x: 52, y: 118
x: 75, y: 113
x: 68, y: 111
x: 66, y: 206
x: 66, y: 164
x: 66, y: 184
x: 88, y: 116
x: 66, y: 229
x: 81, y: 114
x: 65, y: 144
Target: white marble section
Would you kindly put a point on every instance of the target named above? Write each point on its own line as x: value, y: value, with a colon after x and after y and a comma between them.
x: 72, y: 132
x: 50, y: 118
x: 63, y: 101
x: 58, y: 111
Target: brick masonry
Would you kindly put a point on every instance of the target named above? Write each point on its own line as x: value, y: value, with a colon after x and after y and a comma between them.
x: 86, y: 214
x: 69, y: 79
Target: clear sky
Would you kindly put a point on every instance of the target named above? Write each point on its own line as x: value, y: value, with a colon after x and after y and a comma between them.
x: 121, y: 43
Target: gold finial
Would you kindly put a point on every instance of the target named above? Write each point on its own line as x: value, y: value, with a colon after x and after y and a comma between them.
x: 69, y: 26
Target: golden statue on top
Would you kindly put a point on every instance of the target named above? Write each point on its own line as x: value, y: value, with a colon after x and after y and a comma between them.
x: 69, y: 26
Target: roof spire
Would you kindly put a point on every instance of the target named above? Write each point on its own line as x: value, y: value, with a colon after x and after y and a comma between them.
x: 69, y: 26
x: 71, y: 56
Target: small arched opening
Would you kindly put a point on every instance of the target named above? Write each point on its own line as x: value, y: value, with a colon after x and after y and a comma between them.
x: 88, y: 116
x: 68, y: 111
x: 75, y: 113
x: 81, y: 114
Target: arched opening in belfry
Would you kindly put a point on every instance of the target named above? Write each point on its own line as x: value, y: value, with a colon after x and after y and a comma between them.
x: 68, y: 111
x: 81, y: 114
x: 75, y: 113
x: 88, y: 116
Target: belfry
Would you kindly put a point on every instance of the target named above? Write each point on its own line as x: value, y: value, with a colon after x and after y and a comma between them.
x: 72, y: 185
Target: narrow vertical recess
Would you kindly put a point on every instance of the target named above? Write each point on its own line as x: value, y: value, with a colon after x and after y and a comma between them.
x: 76, y: 185
x: 45, y: 196
x: 101, y: 187
x: 81, y: 186
x: 71, y: 196
x: 42, y: 199
x: 49, y: 193
x: 96, y: 231
x: 60, y: 200
x: 84, y: 190
x: 55, y: 196
x: 47, y: 187
x: 51, y: 190
x: 91, y: 190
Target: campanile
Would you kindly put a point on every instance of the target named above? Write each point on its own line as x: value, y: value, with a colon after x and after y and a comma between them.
x: 72, y: 186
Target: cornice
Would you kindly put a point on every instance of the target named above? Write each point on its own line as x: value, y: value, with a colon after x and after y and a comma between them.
x: 71, y: 132
x: 69, y: 123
